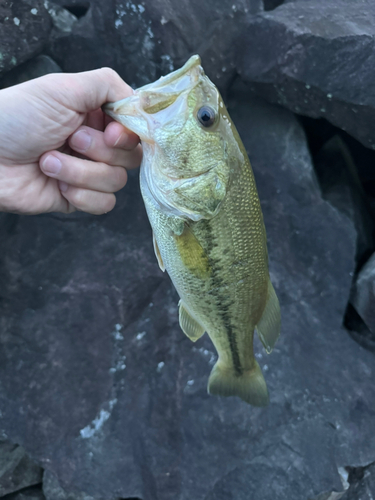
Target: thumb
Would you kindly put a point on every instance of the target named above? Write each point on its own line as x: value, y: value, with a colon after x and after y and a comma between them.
x: 88, y: 91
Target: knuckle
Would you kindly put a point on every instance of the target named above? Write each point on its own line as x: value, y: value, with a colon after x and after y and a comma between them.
x: 110, y: 73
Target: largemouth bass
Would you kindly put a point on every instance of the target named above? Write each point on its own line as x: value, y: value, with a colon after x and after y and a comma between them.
x: 203, y: 206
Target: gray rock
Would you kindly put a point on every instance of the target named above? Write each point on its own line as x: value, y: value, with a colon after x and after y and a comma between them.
x: 101, y: 386
x: 62, y: 20
x: 335, y: 495
x: 272, y: 4
x: 17, y: 470
x: 362, y: 487
x: 53, y: 491
x: 38, y: 66
x: 25, y: 27
x: 143, y: 40
x: 316, y: 58
x: 363, y: 298
x: 329, y: 496
x: 341, y: 186
x: 35, y: 493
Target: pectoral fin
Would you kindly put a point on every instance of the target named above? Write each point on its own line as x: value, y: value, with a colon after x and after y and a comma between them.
x: 192, y: 254
x: 268, y: 327
x: 157, y: 253
x: 189, y: 325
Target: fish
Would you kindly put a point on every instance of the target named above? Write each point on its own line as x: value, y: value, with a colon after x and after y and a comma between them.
x: 208, y: 230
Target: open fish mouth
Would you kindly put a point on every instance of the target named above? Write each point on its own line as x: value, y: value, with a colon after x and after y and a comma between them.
x: 175, y: 81
x: 156, y: 103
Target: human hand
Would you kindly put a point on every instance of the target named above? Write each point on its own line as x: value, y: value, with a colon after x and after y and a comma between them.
x: 58, y: 151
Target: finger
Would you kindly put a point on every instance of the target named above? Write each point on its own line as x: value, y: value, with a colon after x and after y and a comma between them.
x: 95, y: 119
x: 116, y: 135
x: 86, y: 200
x: 88, y: 91
x: 92, y: 144
x: 107, y: 120
x: 82, y: 173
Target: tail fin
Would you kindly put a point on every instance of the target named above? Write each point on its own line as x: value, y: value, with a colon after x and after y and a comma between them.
x: 250, y: 386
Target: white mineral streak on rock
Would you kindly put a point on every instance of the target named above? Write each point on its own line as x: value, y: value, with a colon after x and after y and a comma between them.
x: 344, y: 475
x: 95, y: 426
x: 167, y: 60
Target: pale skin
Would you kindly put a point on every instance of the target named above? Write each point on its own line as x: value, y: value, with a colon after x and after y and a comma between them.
x: 58, y: 151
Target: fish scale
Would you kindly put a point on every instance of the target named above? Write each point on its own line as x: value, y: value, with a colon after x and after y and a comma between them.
x: 201, y: 199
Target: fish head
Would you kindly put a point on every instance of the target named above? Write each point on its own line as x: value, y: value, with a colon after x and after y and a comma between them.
x: 182, y: 119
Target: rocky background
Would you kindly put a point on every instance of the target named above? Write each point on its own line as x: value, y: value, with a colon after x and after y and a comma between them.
x: 101, y: 395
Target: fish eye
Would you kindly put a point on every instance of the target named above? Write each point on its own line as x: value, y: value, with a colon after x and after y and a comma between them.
x: 206, y: 116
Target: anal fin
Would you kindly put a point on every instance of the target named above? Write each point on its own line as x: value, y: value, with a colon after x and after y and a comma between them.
x: 188, y: 324
x: 157, y: 253
x: 268, y: 328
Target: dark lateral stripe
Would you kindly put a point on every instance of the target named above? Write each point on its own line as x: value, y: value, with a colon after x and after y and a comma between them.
x: 222, y: 302
x: 232, y: 344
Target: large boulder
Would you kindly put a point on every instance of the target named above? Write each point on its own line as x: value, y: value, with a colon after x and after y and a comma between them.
x: 25, y: 27
x: 35, y: 493
x: 363, y: 484
x: 363, y: 297
x: 33, y: 68
x: 316, y: 58
x: 341, y: 186
x: 143, y: 40
x: 17, y: 470
x: 53, y: 490
x: 100, y: 385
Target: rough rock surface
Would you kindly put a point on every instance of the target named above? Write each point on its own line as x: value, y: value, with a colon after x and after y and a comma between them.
x: 53, y: 490
x: 363, y: 486
x: 341, y: 186
x: 28, y: 494
x: 24, y: 29
x: 363, y: 298
x: 144, y: 39
x: 17, y: 470
x: 100, y: 385
x: 316, y: 58
x: 38, y: 66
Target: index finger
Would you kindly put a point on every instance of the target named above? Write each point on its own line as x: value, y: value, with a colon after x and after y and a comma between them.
x: 89, y: 90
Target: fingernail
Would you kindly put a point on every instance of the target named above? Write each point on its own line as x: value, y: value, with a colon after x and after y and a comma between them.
x: 63, y: 186
x: 81, y: 140
x: 51, y: 165
x: 119, y: 139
